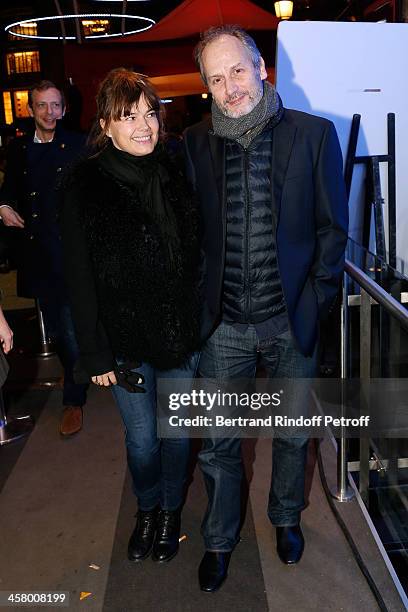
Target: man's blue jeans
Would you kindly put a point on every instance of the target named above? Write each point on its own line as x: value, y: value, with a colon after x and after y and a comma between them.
x: 231, y: 354
x: 158, y: 466
x: 60, y: 329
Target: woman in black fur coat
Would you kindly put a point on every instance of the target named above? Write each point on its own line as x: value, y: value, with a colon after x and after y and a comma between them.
x: 130, y: 238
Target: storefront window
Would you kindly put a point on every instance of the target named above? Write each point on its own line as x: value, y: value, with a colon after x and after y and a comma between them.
x: 23, y: 61
x: 20, y: 104
x: 95, y: 26
x: 8, y: 109
x: 26, y: 29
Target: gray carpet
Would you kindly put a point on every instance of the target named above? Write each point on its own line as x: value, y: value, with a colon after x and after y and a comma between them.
x: 173, y: 587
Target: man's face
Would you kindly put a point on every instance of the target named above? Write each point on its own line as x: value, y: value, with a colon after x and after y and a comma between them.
x: 234, y: 82
x: 46, y: 109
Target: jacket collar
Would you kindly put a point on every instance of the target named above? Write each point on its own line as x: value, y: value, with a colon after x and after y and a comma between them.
x: 58, y: 133
x: 282, y: 145
x: 217, y: 152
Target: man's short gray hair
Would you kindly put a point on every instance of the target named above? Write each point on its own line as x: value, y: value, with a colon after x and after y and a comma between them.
x: 214, y: 33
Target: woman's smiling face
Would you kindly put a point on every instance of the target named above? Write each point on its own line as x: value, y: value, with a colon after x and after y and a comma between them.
x: 136, y: 133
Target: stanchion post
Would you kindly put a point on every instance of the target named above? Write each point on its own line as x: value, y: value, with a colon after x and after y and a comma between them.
x: 343, y: 492
x: 13, y: 429
x: 45, y: 348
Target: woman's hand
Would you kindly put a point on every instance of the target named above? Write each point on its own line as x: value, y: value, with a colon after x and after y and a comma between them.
x: 6, y: 335
x: 105, y: 380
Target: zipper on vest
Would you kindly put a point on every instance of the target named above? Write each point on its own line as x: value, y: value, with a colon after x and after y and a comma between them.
x: 247, y: 284
x: 275, y: 233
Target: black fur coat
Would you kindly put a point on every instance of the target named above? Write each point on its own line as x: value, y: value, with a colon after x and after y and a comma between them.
x: 126, y: 299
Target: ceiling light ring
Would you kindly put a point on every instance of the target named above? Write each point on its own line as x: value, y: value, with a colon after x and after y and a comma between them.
x: 151, y: 22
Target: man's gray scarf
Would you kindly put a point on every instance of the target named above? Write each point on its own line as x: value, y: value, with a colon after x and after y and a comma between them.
x: 244, y: 129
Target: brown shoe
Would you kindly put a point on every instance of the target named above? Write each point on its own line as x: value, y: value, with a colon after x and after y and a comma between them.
x: 71, y: 420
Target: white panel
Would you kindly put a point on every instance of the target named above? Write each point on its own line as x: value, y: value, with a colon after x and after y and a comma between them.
x: 326, y: 68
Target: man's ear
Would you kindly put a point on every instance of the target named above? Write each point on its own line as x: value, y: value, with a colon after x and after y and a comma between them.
x: 262, y: 69
x: 30, y: 110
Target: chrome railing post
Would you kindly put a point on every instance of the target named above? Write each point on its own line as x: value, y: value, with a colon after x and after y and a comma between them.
x: 343, y: 492
x: 13, y: 429
x: 365, y: 374
x: 45, y: 345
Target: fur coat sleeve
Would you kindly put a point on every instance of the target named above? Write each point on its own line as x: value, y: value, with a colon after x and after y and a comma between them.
x: 96, y: 353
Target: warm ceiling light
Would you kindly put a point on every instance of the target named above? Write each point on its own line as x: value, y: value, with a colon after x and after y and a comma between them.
x: 91, y: 22
x: 283, y: 9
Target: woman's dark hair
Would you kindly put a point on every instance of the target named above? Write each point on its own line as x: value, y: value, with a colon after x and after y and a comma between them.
x: 120, y: 90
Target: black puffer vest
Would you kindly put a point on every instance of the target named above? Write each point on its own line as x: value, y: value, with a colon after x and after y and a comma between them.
x: 252, y: 289
x: 149, y: 310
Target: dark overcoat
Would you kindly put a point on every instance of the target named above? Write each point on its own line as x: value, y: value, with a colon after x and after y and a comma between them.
x: 309, y: 203
x: 32, y: 175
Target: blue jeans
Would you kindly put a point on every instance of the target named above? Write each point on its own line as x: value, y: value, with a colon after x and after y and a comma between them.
x: 230, y: 354
x: 158, y: 466
x: 60, y: 329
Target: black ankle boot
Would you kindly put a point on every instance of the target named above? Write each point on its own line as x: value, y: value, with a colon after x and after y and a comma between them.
x: 213, y: 570
x: 166, y: 542
x: 290, y: 544
x: 141, y: 540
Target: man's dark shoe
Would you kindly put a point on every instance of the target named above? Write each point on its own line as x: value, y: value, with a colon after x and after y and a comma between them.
x: 289, y: 544
x: 166, y: 543
x: 141, y: 540
x: 213, y: 570
x: 71, y: 422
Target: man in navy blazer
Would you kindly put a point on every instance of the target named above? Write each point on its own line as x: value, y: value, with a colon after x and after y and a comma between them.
x: 28, y: 206
x: 275, y: 218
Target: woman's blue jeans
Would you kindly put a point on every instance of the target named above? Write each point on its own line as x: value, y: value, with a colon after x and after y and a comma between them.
x: 158, y: 466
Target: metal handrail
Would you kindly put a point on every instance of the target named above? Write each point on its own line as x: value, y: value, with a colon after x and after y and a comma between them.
x: 343, y: 492
x: 378, y: 293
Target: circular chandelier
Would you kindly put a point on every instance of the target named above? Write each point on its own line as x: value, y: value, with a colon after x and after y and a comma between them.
x: 150, y: 22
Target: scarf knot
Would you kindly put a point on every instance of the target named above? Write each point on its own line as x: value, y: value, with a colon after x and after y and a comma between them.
x: 245, y: 129
x: 147, y: 175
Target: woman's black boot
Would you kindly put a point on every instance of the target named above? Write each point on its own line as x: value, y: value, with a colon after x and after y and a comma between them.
x: 166, y: 543
x: 141, y: 540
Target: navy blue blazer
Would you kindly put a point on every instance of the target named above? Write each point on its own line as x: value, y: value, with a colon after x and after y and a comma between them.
x: 310, y: 205
x: 32, y: 175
